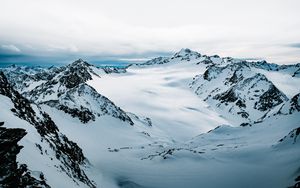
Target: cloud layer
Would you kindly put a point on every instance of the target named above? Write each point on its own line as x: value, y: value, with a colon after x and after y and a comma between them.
x: 135, y: 28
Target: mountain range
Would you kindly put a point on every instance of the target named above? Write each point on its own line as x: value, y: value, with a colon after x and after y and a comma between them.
x: 189, y: 120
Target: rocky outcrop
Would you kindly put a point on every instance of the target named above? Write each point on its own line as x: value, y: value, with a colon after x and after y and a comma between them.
x: 295, y: 104
x: 239, y: 90
x: 289, y: 141
x: 12, y: 174
x: 269, y: 99
x: 67, y: 91
x: 76, y: 73
x: 158, y: 60
x: 67, y: 152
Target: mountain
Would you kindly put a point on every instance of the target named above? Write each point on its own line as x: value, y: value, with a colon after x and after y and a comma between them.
x: 187, y: 55
x: 190, y: 115
x: 66, y: 90
x: 51, y: 145
x: 238, y: 89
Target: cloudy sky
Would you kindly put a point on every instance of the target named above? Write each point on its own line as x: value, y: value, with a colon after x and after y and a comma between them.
x: 140, y: 29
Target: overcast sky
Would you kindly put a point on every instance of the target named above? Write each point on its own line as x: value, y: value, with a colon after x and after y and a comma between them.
x: 138, y: 29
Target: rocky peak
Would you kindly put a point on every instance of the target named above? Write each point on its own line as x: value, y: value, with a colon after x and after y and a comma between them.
x: 265, y: 65
x: 76, y: 73
x: 271, y: 98
x: 85, y: 103
x: 79, y: 64
x: 158, y: 60
x: 265, y: 94
x: 239, y: 89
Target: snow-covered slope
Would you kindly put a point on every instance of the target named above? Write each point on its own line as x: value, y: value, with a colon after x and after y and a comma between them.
x: 159, y: 91
x: 174, y: 122
x: 229, y: 91
x: 65, y: 89
x: 239, y: 91
x: 61, y: 161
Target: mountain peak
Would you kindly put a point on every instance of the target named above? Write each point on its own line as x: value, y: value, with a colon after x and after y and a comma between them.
x: 186, y: 52
x: 79, y: 63
x: 77, y: 72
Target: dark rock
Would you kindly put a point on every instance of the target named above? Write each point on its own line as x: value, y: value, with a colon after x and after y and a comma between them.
x: 293, y: 135
x: 271, y: 98
x: 241, y: 103
x: 235, y: 78
x: 83, y: 114
x: 295, y: 105
x: 243, y: 114
x: 228, y: 96
x: 245, y: 125
x: 12, y: 175
x: 68, y: 152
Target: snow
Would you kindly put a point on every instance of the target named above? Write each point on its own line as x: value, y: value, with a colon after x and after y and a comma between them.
x: 30, y: 154
x: 285, y: 82
x: 159, y: 92
x: 197, y: 154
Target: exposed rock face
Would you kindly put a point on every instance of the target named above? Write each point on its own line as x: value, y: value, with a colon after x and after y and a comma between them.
x: 212, y: 73
x: 12, y: 174
x: 271, y: 98
x: 83, y: 113
x: 67, y: 91
x: 76, y: 73
x: 22, y: 77
x: 296, y: 73
x: 89, y: 99
x: 292, y: 137
x: 22, y: 108
x: 238, y: 89
x: 295, y: 104
x: 158, y: 60
x: 228, y: 96
x: 109, y: 70
x: 67, y: 152
x: 289, y: 107
x: 63, y: 79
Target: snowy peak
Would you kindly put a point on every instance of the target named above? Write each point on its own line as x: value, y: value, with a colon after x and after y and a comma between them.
x: 293, y: 69
x: 226, y: 93
x: 158, y: 60
x: 67, y: 90
x: 238, y: 89
x: 22, y: 77
x: 76, y: 73
x: 86, y: 103
x: 79, y: 63
x: 185, y: 52
x: 184, y: 55
x: 290, y: 107
x: 262, y: 91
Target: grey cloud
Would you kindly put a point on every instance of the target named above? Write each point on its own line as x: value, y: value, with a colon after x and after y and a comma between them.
x: 10, y: 48
x: 294, y: 45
